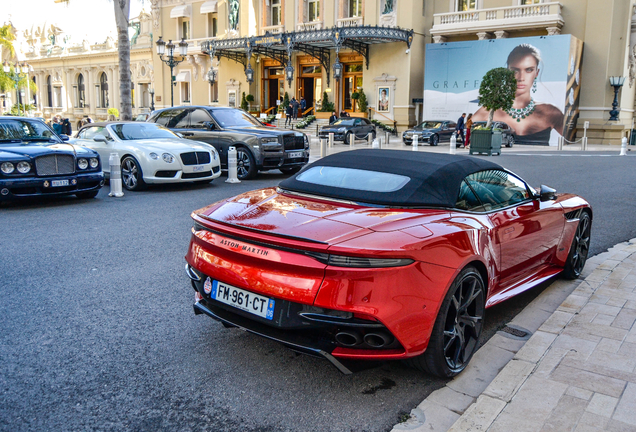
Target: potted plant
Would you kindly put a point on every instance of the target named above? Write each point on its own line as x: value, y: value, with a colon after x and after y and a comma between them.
x: 249, y: 98
x: 496, y: 92
x: 244, y: 104
x: 363, y: 105
x: 326, y: 107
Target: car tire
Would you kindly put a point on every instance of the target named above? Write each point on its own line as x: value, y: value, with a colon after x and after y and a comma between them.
x: 348, y: 138
x: 511, y: 141
x: 407, y: 143
x: 87, y: 195
x: 457, y: 328
x: 434, y: 140
x: 580, y: 248
x: 132, y: 176
x: 288, y: 171
x: 245, y: 164
x: 372, y: 133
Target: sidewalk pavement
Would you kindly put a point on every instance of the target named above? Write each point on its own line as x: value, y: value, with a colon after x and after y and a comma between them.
x: 577, y: 372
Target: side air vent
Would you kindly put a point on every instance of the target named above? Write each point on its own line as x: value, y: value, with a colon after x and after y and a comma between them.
x: 573, y: 214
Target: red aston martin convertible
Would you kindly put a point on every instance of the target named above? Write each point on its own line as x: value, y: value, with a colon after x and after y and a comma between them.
x: 380, y: 254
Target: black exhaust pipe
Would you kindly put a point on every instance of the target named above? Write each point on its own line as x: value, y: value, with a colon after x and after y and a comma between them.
x: 377, y: 340
x: 348, y: 339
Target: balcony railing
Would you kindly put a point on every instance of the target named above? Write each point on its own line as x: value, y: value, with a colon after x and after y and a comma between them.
x: 523, y: 17
x: 314, y: 25
x: 194, y: 45
x: 277, y: 29
x: 350, y: 22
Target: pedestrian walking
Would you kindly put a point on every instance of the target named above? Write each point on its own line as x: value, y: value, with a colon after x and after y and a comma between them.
x: 469, y: 125
x: 66, y: 127
x: 333, y: 117
x: 57, y: 126
x: 303, y: 106
x: 459, y: 129
x: 295, y: 105
x: 289, y: 113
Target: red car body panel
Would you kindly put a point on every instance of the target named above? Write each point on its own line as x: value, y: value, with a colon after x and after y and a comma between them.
x: 246, y: 242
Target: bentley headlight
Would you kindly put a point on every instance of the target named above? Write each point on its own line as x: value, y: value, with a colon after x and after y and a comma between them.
x: 94, y: 162
x: 153, y: 156
x: 7, y: 167
x: 167, y: 157
x: 82, y: 163
x: 24, y: 167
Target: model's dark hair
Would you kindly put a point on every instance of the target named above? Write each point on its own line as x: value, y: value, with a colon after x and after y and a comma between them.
x: 521, y: 51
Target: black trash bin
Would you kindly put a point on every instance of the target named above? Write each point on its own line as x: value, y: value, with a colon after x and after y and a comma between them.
x: 632, y: 137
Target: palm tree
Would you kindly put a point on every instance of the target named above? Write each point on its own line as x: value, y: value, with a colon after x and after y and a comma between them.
x: 6, y: 39
x: 122, y: 16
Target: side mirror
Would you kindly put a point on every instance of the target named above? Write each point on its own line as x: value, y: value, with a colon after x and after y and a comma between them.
x: 100, y: 138
x: 64, y: 137
x: 179, y: 134
x: 211, y: 125
x: 547, y: 193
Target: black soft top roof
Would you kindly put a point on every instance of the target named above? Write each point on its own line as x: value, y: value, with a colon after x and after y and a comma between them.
x: 434, y: 178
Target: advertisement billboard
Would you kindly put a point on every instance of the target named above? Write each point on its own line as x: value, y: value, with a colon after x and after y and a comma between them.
x: 548, y: 72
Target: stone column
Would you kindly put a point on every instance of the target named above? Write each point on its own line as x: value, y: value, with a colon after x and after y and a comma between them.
x: 439, y: 39
x: 500, y: 34
x: 484, y: 35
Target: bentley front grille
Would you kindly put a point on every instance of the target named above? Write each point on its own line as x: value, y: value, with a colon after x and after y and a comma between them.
x: 55, y: 164
x: 195, y: 158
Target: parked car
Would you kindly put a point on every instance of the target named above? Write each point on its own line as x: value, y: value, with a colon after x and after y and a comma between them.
x: 35, y: 161
x: 258, y: 147
x: 507, y: 133
x: 345, y: 128
x: 378, y: 255
x: 151, y: 154
x: 431, y: 131
x: 142, y: 117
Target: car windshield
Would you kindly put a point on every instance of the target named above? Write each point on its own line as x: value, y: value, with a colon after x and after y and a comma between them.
x: 343, y: 122
x: 15, y: 130
x: 429, y: 125
x: 228, y: 118
x: 350, y: 178
x: 136, y: 131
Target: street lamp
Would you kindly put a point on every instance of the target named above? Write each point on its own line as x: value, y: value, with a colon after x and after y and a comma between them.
x: 289, y: 73
x: 152, y: 99
x: 616, y: 82
x: 18, y: 73
x: 211, y: 76
x: 249, y: 74
x: 337, y: 70
x: 162, y: 47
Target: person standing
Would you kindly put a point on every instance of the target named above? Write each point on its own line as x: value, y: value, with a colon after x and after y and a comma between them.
x: 469, y: 125
x: 333, y: 117
x: 57, y: 127
x: 289, y: 112
x: 295, y: 106
x: 459, y: 129
x: 66, y: 127
x: 303, y: 106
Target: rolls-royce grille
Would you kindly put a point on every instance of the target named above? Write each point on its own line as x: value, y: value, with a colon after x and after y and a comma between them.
x: 55, y: 164
x: 195, y: 158
x: 292, y: 142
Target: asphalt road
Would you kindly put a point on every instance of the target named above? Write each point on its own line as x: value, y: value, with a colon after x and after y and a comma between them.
x: 98, y: 331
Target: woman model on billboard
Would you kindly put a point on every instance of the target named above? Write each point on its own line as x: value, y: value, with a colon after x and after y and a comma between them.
x: 532, y: 121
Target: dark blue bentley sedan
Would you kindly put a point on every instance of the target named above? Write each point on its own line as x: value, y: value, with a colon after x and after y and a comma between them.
x: 35, y: 161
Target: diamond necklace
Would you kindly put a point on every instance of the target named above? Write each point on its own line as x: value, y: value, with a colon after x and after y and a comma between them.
x: 521, y: 113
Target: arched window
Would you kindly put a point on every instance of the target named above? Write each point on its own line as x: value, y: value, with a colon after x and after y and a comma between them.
x: 49, y: 92
x: 81, y: 91
x: 103, y: 90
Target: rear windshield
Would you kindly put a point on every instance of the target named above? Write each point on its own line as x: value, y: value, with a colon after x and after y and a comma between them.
x: 355, y: 179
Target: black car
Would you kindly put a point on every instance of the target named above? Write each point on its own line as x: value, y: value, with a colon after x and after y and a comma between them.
x: 258, y: 147
x: 35, y: 161
x: 345, y: 128
x: 507, y: 133
x: 431, y: 131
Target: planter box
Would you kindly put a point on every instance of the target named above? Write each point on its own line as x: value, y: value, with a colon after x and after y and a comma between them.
x: 322, y: 115
x: 358, y: 114
x: 485, y: 141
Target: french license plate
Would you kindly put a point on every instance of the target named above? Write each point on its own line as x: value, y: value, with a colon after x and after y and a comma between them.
x: 55, y: 183
x: 244, y: 300
x: 198, y: 168
x: 292, y: 155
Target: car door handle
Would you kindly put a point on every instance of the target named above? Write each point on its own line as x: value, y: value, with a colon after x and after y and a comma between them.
x: 187, y: 133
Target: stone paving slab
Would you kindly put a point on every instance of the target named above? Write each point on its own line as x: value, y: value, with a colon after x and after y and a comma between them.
x: 576, y: 373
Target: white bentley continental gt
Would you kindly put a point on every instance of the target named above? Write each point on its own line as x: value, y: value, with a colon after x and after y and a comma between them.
x: 150, y: 153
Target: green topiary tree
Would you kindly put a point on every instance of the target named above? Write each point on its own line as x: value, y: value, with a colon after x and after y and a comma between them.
x: 249, y: 98
x: 497, y: 91
x: 326, y: 106
x: 284, y: 104
x: 244, y: 104
x: 362, y: 102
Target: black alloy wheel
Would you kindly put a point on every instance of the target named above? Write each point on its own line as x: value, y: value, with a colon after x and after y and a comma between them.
x: 580, y: 248
x: 349, y: 138
x: 511, y: 141
x: 131, y: 175
x: 457, y: 328
x: 245, y: 165
x: 434, y: 139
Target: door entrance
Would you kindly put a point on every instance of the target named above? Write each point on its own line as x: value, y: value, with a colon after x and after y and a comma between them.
x: 307, y: 91
x: 310, y: 84
x: 273, y: 88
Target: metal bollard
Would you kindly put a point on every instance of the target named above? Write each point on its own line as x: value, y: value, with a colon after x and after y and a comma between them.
x: 416, y: 142
x: 560, y: 143
x: 231, y: 166
x: 331, y: 135
x: 386, y: 139
x: 584, y: 143
x: 624, y: 147
x: 453, y: 144
x: 115, y: 176
x: 352, y: 139
x: 375, y: 144
x: 369, y: 139
x: 323, y: 148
